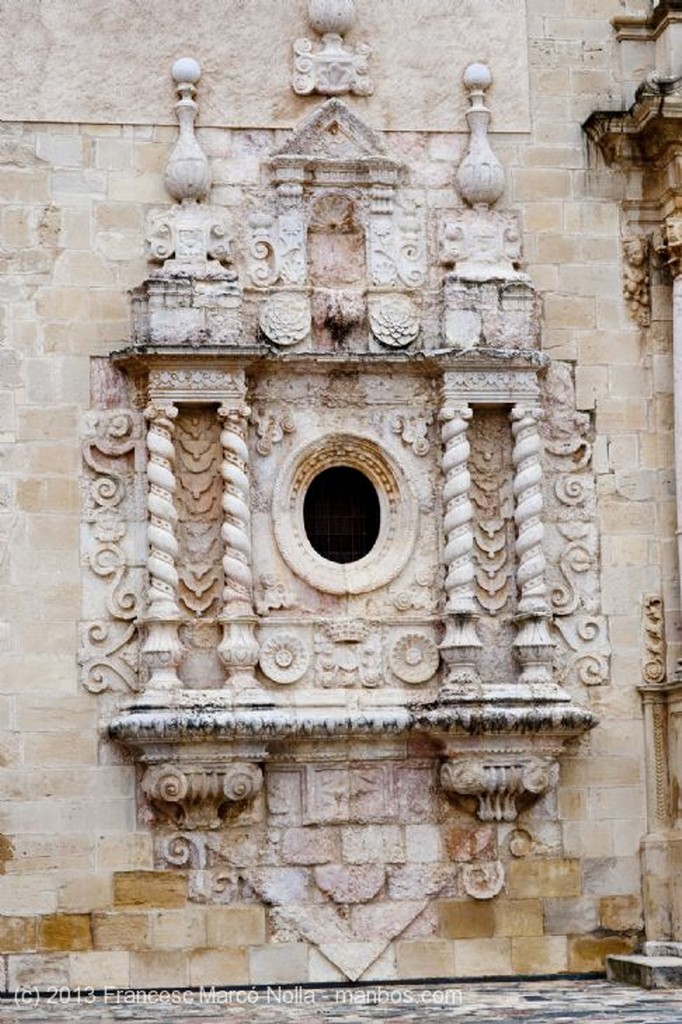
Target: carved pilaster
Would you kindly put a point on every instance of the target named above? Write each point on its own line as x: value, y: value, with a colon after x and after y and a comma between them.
x: 162, y: 650
x: 459, y: 645
x: 238, y: 650
x: 533, y: 645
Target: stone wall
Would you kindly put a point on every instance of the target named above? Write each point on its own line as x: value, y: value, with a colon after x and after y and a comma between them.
x: 90, y: 894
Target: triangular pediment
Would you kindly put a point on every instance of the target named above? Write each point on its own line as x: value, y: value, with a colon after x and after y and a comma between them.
x: 333, y: 134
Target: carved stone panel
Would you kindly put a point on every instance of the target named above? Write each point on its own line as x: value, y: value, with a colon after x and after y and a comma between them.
x: 113, y: 527
x: 572, y: 537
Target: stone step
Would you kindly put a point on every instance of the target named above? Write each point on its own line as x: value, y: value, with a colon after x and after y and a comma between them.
x: 645, y: 971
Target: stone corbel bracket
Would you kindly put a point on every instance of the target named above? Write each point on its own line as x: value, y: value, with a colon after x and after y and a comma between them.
x: 335, y: 68
x: 200, y: 795
x: 202, y: 758
x: 500, y: 784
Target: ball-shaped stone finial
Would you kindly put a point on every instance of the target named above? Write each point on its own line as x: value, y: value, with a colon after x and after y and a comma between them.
x: 327, y: 16
x: 186, y: 69
x: 477, y: 76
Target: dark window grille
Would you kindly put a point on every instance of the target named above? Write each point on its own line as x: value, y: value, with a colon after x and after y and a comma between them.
x: 341, y: 514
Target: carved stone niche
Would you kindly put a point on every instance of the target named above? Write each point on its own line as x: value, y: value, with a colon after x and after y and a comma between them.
x: 342, y: 248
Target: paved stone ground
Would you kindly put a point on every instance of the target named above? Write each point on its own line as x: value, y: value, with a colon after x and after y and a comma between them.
x: 551, y: 1002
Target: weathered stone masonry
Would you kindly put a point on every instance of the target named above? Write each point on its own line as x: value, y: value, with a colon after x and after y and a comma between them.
x: 260, y: 764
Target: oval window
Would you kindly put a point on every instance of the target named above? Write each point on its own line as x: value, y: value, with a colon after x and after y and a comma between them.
x: 341, y: 514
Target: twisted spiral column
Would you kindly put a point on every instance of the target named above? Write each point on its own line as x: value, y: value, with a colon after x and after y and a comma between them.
x: 533, y: 642
x: 458, y: 555
x: 238, y: 649
x: 236, y: 528
x: 528, y: 512
x: 458, y: 647
x: 162, y: 650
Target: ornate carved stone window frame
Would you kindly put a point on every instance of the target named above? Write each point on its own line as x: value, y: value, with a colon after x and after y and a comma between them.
x: 397, y: 501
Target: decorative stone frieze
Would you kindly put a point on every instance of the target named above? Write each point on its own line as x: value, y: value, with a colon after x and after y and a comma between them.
x: 334, y: 69
x: 571, y: 537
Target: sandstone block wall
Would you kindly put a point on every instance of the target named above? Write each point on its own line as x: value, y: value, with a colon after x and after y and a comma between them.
x: 83, y: 899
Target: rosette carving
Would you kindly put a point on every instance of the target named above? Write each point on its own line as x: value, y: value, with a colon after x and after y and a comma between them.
x: 284, y: 658
x: 394, y: 320
x: 414, y: 658
x: 285, y: 318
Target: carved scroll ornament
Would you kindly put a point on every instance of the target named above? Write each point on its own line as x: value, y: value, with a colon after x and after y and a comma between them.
x: 109, y: 651
x: 196, y: 796
x: 499, y: 784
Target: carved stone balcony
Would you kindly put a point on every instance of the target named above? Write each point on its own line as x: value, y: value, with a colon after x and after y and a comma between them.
x: 203, y: 761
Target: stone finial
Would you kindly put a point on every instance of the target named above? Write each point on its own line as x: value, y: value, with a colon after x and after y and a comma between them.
x: 335, y: 68
x: 187, y: 173
x: 480, y: 176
